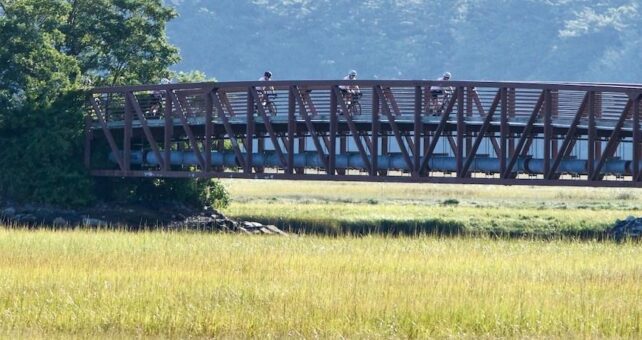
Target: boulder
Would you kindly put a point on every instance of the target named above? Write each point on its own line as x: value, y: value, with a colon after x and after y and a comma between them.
x: 631, y: 227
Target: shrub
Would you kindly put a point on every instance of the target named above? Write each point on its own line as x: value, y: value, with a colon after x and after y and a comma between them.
x: 189, y: 191
x: 450, y: 201
x: 41, y: 154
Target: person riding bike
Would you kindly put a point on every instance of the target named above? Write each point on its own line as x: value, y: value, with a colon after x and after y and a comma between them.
x: 350, y: 89
x: 267, y: 76
x: 265, y: 92
x: 350, y: 93
x: 436, y: 91
x: 157, y: 98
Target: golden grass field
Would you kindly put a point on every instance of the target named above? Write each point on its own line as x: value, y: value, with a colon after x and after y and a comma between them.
x: 85, y: 283
x: 88, y: 284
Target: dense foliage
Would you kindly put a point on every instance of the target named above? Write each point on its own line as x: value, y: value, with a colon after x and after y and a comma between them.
x: 50, y: 50
x: 565, y: 40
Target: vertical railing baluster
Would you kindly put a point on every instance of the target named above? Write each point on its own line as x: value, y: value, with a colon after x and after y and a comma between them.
x: 291, y: 130
x: 249, y: 132
x: 591, y: 135
x: 417, y: 132
x: 503, y: 131
x: 374, y: 152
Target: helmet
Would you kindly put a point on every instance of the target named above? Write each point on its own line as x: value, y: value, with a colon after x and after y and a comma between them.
x: 267, y: 74
x: 165, y: 81
x: 446, y: 75
x: 352, y: 73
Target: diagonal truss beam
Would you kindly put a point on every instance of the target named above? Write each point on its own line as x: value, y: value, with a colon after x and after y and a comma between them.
x: 181, y: 106
x: 305, y: 94
x: 228, y: 128
x: 131, y: 99
x: 353, y: 129
x: 567, y: 144
x: 118, y: 154
x: 525, y: 135
x: 482, y: 132
x: 225, y: 101
x: 393, y: 125
x: 613, y: 142
x: 635, y: 168
x: 268, y: 126
x: 440, y: 128
x: 308, y: 122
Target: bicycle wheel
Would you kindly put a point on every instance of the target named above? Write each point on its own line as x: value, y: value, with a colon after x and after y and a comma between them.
x: 271, y: 108
x: 355, y: 108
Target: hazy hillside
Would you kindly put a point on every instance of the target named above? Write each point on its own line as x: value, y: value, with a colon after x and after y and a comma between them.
x: 578, y: 40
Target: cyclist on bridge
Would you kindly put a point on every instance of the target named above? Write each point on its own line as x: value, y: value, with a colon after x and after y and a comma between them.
x: 436, y: 91
x: 265, y: 92
x: 157, y: 98
x: 351, y: 94
x: 350, y: 89
x: 267, y: 76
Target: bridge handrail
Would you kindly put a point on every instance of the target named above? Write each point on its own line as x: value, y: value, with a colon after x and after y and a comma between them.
x: 630, y: 89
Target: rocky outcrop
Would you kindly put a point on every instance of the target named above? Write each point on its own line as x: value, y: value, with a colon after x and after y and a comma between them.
x: 171, y: 216
x: 212, y: 220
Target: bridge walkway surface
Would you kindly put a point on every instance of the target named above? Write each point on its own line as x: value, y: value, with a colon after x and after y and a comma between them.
x: 580, y: 134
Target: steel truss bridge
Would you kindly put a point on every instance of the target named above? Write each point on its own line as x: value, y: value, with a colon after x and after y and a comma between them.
x: 510, y: 133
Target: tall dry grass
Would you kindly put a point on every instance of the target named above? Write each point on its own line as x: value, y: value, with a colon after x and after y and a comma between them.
x: 83, y: 283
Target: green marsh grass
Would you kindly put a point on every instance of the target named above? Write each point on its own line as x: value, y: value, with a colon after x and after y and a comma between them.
x: 109, y: 283
x: 346, y: 207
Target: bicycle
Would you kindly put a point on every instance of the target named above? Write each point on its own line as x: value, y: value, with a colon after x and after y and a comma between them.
x: 267, y: 101
x: 441, y: 106
x: 352, y: 102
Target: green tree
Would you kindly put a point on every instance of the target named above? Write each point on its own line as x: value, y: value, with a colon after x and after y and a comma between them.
x: 119, y: 41
x: 47, y: 47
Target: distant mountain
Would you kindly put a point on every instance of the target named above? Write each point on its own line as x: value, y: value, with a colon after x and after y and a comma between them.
x: 562, y: 40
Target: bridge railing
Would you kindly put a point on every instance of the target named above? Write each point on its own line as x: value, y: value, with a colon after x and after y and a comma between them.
x: 522, y: 97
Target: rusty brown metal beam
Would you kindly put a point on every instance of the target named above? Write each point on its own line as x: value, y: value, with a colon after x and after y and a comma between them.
x: 291, y: 130
x: 353, y: 128
x: 367, y: 178
x: 148, y: 133
x: 417, y: 129
x: 377, y: 102
x: 482, y: 132
x: 636, y: 138
x: 504, y: 133
x: 438, y: 132
x: 311, y: 130
x: 203, y: 87
x: 566, y: 147
x: 228, y: 129
x: 525, y: 134
x: 612, y: 143
x: 384, y: 102
x: 268, y: 126
x: 461, y: 132
x: 168, y: 131
x: 108, y: 135
x: 180, y: 105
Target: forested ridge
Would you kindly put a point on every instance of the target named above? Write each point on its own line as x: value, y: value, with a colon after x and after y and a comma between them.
x: 560, y: 40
